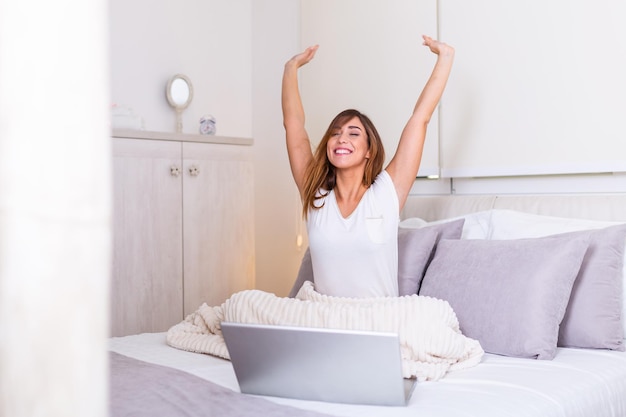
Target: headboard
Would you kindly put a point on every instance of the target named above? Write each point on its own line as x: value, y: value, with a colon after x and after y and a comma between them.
x: 606, y: 207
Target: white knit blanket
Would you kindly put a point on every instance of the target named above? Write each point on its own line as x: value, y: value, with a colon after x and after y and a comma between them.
x: 430, y: 339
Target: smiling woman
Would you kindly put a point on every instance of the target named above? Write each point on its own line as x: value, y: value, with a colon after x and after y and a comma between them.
x: 350, y: 140
x: 353, y: 134
x: 351, y: 204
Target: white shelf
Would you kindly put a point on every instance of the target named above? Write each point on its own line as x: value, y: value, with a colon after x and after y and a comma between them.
x: 180, y: 137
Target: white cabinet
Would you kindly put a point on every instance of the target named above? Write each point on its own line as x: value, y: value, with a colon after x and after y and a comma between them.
x: 183, y: 229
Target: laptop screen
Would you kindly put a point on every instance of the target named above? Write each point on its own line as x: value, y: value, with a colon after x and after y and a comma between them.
x: 346, y: 366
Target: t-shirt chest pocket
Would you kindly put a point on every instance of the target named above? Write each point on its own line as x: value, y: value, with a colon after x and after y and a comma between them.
x: 376, y: 228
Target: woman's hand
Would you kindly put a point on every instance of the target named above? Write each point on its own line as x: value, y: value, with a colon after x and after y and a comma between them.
x: 437, y: 47
x: 304, y: 57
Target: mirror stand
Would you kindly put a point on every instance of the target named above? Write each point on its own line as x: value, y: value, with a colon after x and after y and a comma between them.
x: 179, y: 120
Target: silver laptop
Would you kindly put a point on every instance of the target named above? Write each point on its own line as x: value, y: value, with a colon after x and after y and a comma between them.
x: 355, y: 367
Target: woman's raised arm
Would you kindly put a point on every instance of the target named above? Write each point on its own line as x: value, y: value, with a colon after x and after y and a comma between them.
x: 405, y: 163
x: 298, y: 143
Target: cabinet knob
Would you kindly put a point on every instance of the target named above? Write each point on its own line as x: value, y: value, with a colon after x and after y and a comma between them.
x: 194, y: 171
x: 174, y: 171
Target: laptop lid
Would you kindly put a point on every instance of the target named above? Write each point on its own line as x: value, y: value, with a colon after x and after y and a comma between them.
x: 355, y: 367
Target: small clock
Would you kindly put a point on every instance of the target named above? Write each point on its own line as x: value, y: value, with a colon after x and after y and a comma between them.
x: 207, y: 125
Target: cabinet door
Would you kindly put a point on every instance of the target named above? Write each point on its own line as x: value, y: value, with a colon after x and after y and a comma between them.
x: 147, y: 237
x: 218, y: 223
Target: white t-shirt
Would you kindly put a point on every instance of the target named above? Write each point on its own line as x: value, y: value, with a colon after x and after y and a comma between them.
x: 357, y: 256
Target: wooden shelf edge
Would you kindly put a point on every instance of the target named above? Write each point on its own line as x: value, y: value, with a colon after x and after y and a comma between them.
x: 180, y: 137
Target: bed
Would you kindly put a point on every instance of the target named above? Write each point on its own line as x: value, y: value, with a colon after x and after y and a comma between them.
x: 547, y: 351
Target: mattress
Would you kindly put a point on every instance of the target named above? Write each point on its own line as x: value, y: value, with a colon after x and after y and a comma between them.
x: 576, y: 383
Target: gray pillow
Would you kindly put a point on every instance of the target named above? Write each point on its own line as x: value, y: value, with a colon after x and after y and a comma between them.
x: 305, y: 273
x: 510, y: 295
x: 416, y: 248
x: 593, y: 318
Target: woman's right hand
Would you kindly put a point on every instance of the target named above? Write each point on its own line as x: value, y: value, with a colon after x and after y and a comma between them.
x: 303, y: 58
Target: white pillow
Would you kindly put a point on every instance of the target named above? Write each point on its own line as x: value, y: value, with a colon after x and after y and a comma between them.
x: 511, y: 224
x: 476, y: 224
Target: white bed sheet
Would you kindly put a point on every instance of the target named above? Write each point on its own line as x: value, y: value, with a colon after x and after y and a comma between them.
x: 577, y: 383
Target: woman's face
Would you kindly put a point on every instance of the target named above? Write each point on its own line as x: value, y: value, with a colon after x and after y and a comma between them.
x: 348, y: 146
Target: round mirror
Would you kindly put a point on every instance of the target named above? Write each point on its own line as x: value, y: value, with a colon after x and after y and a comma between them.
x: 179, y: 91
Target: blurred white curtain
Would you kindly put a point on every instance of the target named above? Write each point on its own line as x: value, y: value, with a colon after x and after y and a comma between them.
x: 54, y: 208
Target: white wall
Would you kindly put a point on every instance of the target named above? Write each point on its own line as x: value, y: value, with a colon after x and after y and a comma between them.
x: 275, y: 31
x: 207, y: 40
x: 538, y: 87
x: 370, y: 58
x: 533, y: 104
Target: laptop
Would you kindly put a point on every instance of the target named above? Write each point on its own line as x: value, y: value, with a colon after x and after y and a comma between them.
x: 341, y: 366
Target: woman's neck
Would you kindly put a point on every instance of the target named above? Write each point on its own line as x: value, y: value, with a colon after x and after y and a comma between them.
x: 348, y: 192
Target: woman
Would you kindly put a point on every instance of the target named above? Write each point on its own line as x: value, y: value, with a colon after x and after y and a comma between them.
x: 351, y: 204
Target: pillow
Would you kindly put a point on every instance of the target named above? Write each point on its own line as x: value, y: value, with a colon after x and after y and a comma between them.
x: 415, y: 251
x: 305, y: 273
x: 510, y: 295
x: 476, y: 225
x: 510, y: 224
x: 416, y: 248
x: 593, y: 318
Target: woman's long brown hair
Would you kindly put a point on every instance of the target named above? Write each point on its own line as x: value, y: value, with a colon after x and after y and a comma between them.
x: 320, y: 174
